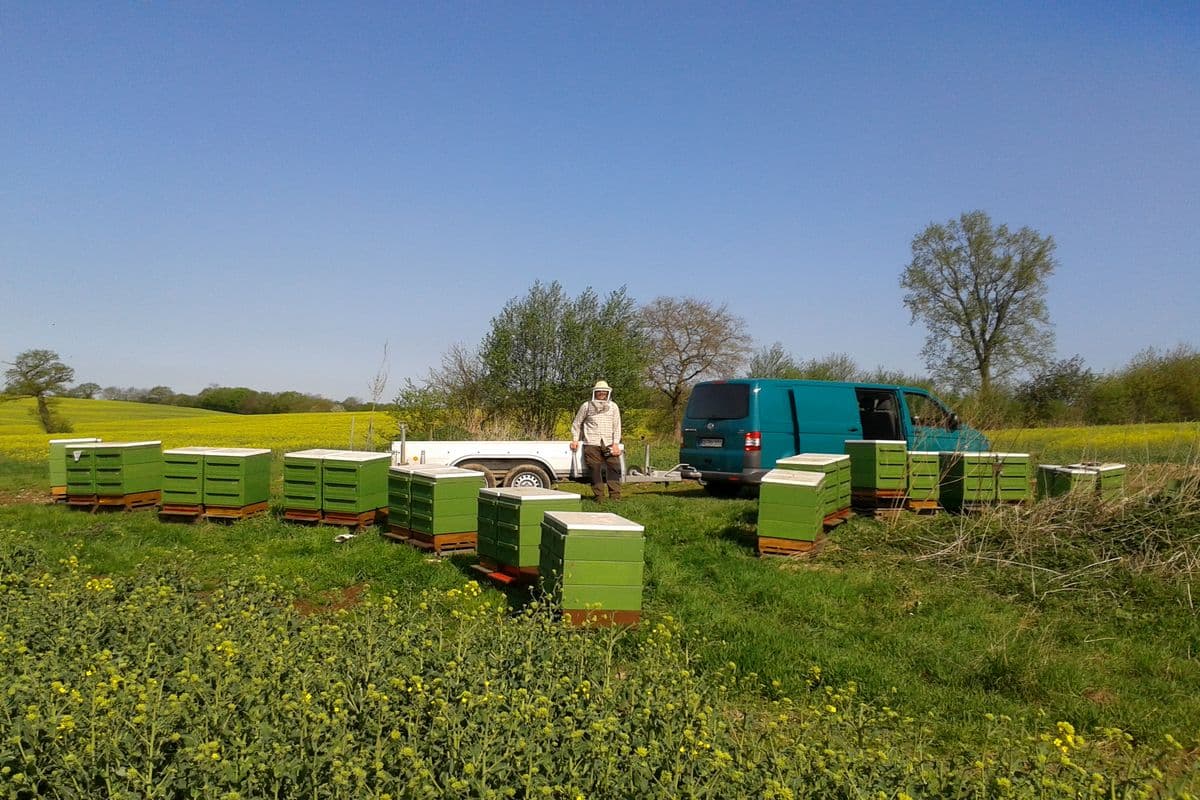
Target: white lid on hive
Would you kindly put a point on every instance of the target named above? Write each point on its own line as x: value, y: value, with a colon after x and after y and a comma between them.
x: 409, y: 469
x: 878, y: 441
x: 187, y: 451
x: 794, y: 477
x: 314, y: 453
x: 814, y: 459
x: 93, y: 445
x: 442, y: 473
x: 488, y: 491
x: 1011, y: 455
x: 238, y: 452
x: 924, y: 452
x: 73, y: 441
x: 592, y: 521
x: 535, y: 493
x: 360, y: 456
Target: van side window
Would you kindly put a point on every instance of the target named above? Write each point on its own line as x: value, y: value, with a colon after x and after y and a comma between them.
x: 879, y: 411
x: 924, y: 411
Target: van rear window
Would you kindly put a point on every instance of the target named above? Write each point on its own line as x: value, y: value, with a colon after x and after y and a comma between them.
x: 719, y: 401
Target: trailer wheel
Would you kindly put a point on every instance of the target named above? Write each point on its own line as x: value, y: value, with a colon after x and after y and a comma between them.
x: 489, y: 477
x: 527, y: 475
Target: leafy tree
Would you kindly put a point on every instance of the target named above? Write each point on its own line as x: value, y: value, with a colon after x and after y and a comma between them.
x: 85, y: 391
x: 773, y: 362
x: 159, y: 394
x: 689, y: 340
x: 1057, y: 392
x: 545, y: 350
x: 832, y: 367
x: 980, y: 292
x: 40, y: 374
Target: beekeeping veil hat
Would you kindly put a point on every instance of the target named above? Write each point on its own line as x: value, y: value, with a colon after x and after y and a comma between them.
x: 601, y: 404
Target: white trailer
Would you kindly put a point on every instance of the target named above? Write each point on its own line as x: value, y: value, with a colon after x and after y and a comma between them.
x: 517, y: 463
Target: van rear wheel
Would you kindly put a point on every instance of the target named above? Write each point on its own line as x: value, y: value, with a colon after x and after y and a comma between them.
x: 489, y: 477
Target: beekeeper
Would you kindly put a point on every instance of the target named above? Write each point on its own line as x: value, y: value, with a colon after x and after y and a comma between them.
x: 598, y: 427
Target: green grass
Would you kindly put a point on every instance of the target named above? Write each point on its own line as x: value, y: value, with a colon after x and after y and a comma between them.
x: 946, y: 642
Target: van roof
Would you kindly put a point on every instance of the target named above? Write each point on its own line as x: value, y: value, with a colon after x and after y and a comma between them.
x: 806, y: 382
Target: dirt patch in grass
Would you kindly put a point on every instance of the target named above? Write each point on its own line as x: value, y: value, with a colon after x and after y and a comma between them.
x: 331, y: 601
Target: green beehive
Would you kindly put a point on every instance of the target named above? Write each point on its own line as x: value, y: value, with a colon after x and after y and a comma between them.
x: 399, y: 481
x: 444, y: 500
x: 183, y: 476
x: 1014, y: 477
x: 58, y: 460
x: 1110, y: 478
x: 354, y: 482
x: 791, y: 505
x: 1054, y: 480
x: 923, y: 475
x: 835, y: 468
x: 592, y: 560
x: 485, y: 523
x: 235, y: 477
x: 967, y: 479
x: 302, y: 479
x: 114, y: 469
x: 878, y: 464
x: 518, y: 523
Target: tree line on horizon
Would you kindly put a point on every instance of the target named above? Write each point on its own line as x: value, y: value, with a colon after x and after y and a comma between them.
x: 978, y: 289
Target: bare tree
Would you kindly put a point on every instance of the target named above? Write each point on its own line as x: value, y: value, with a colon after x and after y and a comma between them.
x: 375, y: 389
x: 980, y: 291
x: 690, y: 340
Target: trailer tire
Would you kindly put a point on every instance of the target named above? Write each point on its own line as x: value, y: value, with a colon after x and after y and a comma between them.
x: 528, y: 475
x: 489, y: 477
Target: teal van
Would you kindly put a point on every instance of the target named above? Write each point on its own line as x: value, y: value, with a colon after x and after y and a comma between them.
x: 734, y: 431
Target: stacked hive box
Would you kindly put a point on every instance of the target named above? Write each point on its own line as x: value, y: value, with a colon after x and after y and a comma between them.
x: 791, y: 506
x: 1110, y: 478
x: 58, y: 465
x: 1013, y: 477
x: 923, y: 476
x: 835, y: 468
x: 399, y: 496
x: 183, y: 478
x: 517, y: 528
x: 130, y: 470
x: 444, y: 500
x: 354, y: 482
x: 878, y: 466
x: 591, y: 565
x: 967, y: 479
x: 237, y: 478
x: 302, y: 481
x: 485, y: 523
x: 1054, y: 480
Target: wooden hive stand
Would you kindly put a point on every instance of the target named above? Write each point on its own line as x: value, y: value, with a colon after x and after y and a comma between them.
x: 441, y: 543
x: 506, y: 574
x: 179, y: 512
x: 309, y: 515
x: 397, y: 533
x: 599, y: 618
x: 770, y: 546
x: 230, y: 513
x: 350, y: 520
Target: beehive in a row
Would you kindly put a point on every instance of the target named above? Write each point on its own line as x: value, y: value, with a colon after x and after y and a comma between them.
x: 924, y: 475
x: 878, y: 465
x: 113, y: 469
x: 58, y: 462
x: 791, y: 505
x: 592, y: 561
x: 444, y: 500
x: 1106, y: 480
x: 510, y: 522
x: 224, y: 477
x: 400, y: 493
x: 835, y: 468
x: 979, y: 478
x: 338, y: 481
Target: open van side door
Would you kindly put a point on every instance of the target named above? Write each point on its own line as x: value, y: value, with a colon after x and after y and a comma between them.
x: 933, y: 426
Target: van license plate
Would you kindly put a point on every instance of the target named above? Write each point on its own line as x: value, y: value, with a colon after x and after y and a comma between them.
x: 712, y: 442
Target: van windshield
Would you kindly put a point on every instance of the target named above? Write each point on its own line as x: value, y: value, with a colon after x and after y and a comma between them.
x: 719, y: 401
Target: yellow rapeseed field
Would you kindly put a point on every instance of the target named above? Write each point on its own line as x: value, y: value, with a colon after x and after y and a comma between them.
x: 21, y: 439
x: 1176, y: 442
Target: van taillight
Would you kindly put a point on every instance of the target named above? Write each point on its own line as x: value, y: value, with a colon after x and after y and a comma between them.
x: 753, y: 441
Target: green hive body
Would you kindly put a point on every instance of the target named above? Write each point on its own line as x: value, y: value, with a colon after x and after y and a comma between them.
x: 517, y: 525
x: 592, y: 560
x: 877, y: 465
x: 485, y: 523
x: 1014, y: 477
x: 302, y: 479
x: 399, y: 491
x: 1110, y: 478
x: 183, y: 476
x: 444, y: 500
x: 235, y: 477
x: 58, y: 459
x: 924, y: 475
x: 1054, y: 480
x: 354, y: 482
x: 114, y: 469
x: 835, y: 468
x: 791, y: 505
x: 967, y: 479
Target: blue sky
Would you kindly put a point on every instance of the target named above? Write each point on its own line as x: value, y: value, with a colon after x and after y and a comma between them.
x: 262, y: 194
